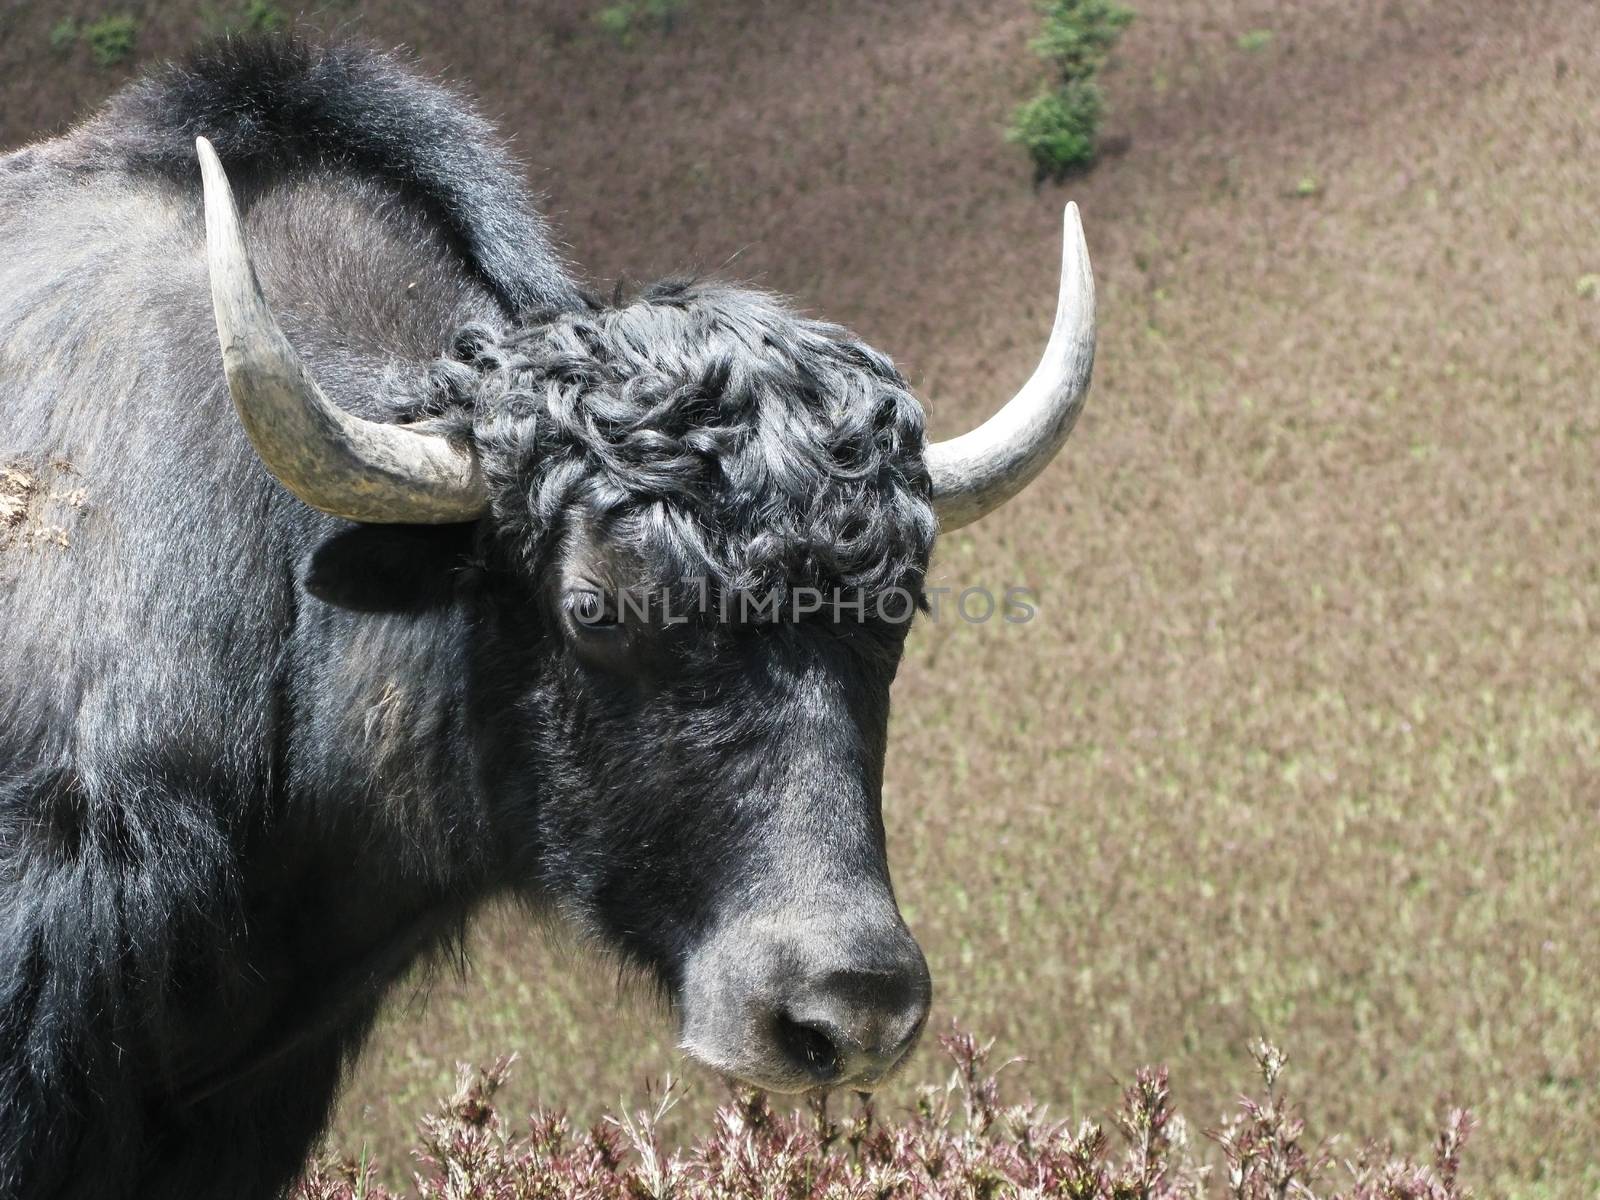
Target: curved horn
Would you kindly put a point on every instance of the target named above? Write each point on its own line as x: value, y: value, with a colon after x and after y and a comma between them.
x: 344, y: 465
x: 979, y: 471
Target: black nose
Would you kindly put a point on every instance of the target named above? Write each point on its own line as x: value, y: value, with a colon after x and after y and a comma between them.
x: 848, y: 1023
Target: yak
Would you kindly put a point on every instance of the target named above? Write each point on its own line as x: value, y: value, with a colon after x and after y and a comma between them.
x: 322, y: 480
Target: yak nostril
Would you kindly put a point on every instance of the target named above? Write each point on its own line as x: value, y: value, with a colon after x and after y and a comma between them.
x: 811, y: 1046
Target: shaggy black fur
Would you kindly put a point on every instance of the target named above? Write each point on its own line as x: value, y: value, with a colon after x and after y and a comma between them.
x: 720, y: 436
x: 256, y: 762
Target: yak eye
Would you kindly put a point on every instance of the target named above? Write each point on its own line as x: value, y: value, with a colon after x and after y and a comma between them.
x: 589, y: 608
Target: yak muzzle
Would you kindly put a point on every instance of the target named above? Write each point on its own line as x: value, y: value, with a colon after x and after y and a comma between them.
x: 793, y: 1005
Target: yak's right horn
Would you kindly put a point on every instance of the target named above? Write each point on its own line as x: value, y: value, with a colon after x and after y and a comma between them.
x: 340, y: 463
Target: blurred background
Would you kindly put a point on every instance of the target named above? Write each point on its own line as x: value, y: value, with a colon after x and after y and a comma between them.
x: 1304, y: 739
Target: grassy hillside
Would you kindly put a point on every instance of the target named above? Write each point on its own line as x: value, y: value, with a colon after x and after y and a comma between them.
x: 1304, y: 741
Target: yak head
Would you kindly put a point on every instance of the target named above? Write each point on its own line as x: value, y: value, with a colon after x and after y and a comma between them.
x: 706, y: 522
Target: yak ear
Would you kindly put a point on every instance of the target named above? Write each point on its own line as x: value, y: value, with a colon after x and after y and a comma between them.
x: 389, y: 568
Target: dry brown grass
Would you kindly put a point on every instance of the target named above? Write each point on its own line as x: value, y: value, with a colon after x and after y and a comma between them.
x: 1305, y: 741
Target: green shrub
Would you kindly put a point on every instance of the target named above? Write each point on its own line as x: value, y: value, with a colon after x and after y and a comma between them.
x: 1058, y: 126
x: 1079, y: 34
x: 111, y: 39
x: 262, y: 16
x: 624, y: 18
x: 244, y: 17
x: 64, y: 35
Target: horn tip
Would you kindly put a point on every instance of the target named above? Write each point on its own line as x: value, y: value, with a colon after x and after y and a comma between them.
x: 1072, y: 221
x: 210, y: 165
x: 1074, y: 249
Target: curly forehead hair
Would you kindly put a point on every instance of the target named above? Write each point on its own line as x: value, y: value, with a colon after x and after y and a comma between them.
x: 717, y: 434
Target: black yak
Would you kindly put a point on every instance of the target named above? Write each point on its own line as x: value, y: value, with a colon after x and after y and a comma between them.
x: 308, y: 653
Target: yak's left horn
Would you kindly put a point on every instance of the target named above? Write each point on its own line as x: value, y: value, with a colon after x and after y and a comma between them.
x: 354, y: 468
x: 979, y: 471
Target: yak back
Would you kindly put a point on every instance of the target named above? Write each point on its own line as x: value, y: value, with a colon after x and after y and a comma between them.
x: 272, y: 106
